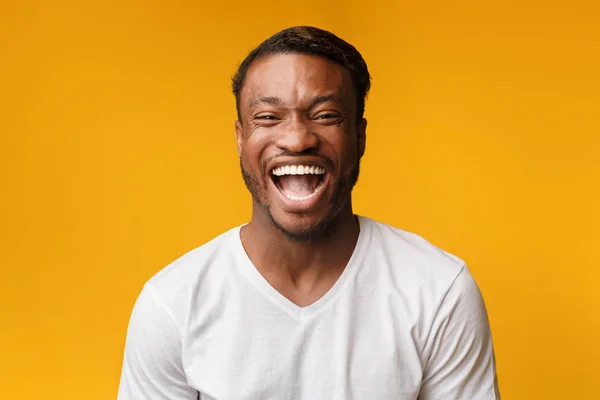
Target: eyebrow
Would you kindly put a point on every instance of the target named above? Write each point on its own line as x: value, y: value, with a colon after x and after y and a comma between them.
x: 276, y: 101
x: 324, y: 99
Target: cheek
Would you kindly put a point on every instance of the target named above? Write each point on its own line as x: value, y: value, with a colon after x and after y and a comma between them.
x: 340, y: 140
x: 252, y: 149
x: 253, y: 152
x: 347, y: 150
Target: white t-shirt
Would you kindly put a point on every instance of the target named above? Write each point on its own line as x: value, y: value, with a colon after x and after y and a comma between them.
x: 405, y: 320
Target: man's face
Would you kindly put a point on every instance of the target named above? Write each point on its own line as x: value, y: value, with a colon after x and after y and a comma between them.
x: 299, y: 142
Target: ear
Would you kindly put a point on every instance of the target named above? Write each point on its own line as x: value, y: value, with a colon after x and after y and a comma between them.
x: 361, y: 132
x: 238, y: 136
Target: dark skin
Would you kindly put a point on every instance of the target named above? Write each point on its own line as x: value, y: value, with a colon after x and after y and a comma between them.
x: 300, y: 109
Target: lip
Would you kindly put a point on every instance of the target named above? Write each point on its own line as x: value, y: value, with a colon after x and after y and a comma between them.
x: 301, y: 205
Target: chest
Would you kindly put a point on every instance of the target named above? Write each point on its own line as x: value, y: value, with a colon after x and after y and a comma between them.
x: 350, y: 351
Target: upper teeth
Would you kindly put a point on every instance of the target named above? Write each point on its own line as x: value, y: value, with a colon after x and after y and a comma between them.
x: 298, y: 170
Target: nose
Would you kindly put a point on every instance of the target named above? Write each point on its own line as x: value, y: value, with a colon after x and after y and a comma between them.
x: 297, y: 137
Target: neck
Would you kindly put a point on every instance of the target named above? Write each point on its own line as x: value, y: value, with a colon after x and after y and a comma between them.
x: 277, y: 256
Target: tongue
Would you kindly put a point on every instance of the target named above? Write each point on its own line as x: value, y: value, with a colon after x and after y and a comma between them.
x: 298, y: 185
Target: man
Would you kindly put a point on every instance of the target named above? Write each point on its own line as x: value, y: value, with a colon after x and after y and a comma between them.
x: 308, y: 300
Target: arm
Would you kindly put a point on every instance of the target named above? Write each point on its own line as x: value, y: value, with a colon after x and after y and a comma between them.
x: 460, y: 363
x: 152, y: 367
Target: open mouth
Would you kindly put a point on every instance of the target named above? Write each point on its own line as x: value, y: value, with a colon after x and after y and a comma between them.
x: 299, y: 182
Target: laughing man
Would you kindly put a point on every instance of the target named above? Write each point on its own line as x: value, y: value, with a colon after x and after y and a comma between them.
x: 308, y: 301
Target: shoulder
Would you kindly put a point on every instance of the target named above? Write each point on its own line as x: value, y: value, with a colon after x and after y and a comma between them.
x: 202, y: 267
x: 419, y: 276
x: 411, y: 257
x: 431, y: 289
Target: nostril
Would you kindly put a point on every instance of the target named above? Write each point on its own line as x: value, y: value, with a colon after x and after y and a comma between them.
x: 298, y: 141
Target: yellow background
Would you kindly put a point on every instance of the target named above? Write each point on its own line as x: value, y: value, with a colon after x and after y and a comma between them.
x: 117, y: 155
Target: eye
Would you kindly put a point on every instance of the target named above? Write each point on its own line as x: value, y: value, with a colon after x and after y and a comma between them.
x: 266, y: 120
x: 329, y: 118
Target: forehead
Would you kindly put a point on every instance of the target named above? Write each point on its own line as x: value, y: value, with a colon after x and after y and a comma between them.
x: 296, y: 78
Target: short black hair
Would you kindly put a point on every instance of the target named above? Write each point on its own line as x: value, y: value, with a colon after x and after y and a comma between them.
x: 312, y: 41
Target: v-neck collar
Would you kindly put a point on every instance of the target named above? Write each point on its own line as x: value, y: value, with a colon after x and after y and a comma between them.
x: 297, y: 312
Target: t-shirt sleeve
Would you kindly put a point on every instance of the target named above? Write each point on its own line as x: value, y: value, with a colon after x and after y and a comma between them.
x: 460, y: 363
x: 152, y: 367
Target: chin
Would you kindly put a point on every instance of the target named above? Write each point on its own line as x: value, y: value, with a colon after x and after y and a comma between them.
x: 304, y: 227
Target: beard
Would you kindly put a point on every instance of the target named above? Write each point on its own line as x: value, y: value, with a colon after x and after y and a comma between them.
x: 325, y: 227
